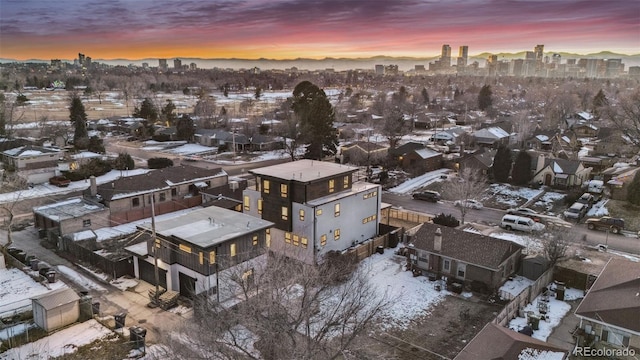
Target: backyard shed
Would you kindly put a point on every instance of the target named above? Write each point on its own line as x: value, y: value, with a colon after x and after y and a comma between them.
x: 56, y: 309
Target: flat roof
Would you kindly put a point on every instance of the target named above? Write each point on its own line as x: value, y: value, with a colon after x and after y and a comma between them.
x: 209, y: 226
x: 68, y: 209
x: 304, y: 170
x: 357, y: 188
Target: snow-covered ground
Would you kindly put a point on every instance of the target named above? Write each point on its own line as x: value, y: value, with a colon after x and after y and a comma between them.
x: 17, y: 289
x: 599, y: 209
x: 511, y: 288
x: 79, y: 279
x: 557, y: 309
x: 512, y: 196
x: 65, y: 341
x: 124, y: 283
x: 44, y: 190
x: 420, y: 181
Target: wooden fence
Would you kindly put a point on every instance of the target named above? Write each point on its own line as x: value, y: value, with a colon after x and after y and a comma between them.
x: 526, y: 296
x: 367, y: 248
x: 407, y: 215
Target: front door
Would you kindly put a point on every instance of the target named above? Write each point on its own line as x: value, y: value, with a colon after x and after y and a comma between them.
x: 187, y: 285
x: 547, y: 179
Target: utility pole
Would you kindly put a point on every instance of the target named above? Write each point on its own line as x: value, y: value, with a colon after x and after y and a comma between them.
x: 155, y: 249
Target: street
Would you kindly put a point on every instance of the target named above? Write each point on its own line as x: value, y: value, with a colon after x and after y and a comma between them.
x: 627, y: 243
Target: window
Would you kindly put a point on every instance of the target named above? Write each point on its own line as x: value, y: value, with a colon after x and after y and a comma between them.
x: 212, y: 257
x: 233, y: 249
x: 285, y: 213
x: 157, y: 243
x: 345, y: 182
x: 336, y: 209
x: 174, y: 192
x: 163, y: 197
x: 185, y: 248
x: 462, y: 270
x: 369, y: 219
x: 446, y: 265
x: 287, y: 238
x: 318, y: 212
x: 332, y: 185
x: 304, y: 242
x: 201, y: 258
x: 267, y: 237
x: 296, y: 240
x: 284, y: 189
x: 323, y: 240
x: 265, y: 186
x: 135, y: 202
x: 86, y: 223
x: 255, y: 240
x: 301, y: 213
x: 336, y: 234
x: 247, y: 203
x: 259, y: 206
x: 369, y: 195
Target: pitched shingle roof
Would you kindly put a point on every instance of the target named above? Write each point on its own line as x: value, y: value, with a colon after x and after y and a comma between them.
x: 154, y: 180
x: 562, y: 166
x: 619, y: 280
x: 497, y: 342
x: 406, y: 148
x: 465, y: 246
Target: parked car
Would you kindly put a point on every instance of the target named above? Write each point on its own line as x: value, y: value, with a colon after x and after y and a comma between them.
x: 587, y: 199
x: 59, y: 181
x: 432, y: 196
x: 470, y: 203
x: 615, y: 225
x: 595, y: 186
x: 576, y: 211
x: 526, y: 212
x: 521, y: 223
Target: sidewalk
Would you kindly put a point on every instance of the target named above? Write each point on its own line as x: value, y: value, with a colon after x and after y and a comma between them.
x: 562, y: 335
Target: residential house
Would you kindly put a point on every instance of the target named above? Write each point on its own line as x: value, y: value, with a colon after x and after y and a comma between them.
x: 56, y: 309
x: 541, y: 140
x: 420, y: 161
x: 560, y: 172
x: 583, y: 129
x: 448, y: 136
x: 259, y: 142
x: 129, y: 198
x: 497, y: 342
x: 401, y: 151
x: 226, y: 196
x: 619, y: 183
x: 579, y: 118
x: 479, y: 261
x: 69, y: 216
x: 613, y: 323
x: 481, y: 160
x: 363, y: 153
x: 31, y: 157
x: 315, y: 206
x: 222, y: 138
x: 613, y: 142
x: 492, y: 137
x: 199, y: 252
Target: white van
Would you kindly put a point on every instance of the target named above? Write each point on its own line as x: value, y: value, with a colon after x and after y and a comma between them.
x: 513, y: 222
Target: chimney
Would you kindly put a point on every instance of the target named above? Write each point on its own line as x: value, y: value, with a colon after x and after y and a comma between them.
x: 540, y: 163
x: 437, y: 240
x: 93, y: 188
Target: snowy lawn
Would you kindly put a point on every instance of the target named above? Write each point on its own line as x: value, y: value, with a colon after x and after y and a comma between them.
x: 547, y: 200
x: 512, y: 196
x: 191, y: 149
x: 79, y: 279
x: 62, y: 342
x: 17, y: 289
x: 413, y: 296
x: 557, y: 309
x: 531, y: 243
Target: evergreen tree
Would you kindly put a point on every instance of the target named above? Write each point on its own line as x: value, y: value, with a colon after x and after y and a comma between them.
x: 146, y: 111
x: 599, y: 101
x: 311, y: 105
x: 633, y: 193
x: 78, y: 118
x: 258, y: 93
x: 184, y: 128
x: 3, y: 113
x: 96, y: 145
x: 502, y: 164
x: 167, y: 113
x: 521, y: 173
x: 485, y: 98
x: 124, y: 161
x: 425, y: 96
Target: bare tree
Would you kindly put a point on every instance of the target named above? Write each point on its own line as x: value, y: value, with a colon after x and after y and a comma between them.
x: 288, y: 311
x: 470, y: 184
x: 11, y: 183
x: 523, y: 126
x: 625, y: 114
x: 555, y: 244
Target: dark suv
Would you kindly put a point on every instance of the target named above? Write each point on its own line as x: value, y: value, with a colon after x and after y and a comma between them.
x: 432, y: 196
x: 606, y: 223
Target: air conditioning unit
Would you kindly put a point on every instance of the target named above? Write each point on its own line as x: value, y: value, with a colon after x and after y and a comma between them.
x: 234, y: 185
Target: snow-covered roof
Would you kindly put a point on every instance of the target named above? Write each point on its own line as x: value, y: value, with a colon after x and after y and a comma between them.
x: 542, y: 137
x: 85, y: 155
x: 31, y: 150
x: 68, y: 209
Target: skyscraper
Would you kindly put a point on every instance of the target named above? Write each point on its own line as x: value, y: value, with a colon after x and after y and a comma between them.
x: 177, y: 64
x: 463, y: 55
x: 539, y: 51
x: 162, y: 64
x: 445, y: 58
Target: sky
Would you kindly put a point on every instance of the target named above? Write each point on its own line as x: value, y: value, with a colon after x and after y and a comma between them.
x: 289, y: 29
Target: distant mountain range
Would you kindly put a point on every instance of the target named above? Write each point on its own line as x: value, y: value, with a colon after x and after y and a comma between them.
x: 339, y: 64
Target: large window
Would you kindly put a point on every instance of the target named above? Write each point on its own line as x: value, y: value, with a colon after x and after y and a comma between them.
x: 287, y: 237
x: 185, y: 248
x: 285, y: 213
x: 296, y: 240
x: 336, y: 209
x: 163, y: 197
x: 247, y: 203
x: 284, y: 190
x: 259, y: 206
x: 266, y: 186
x: 345, y: 182
x: 304, y: 242
x: 233, y: 249
x: 267, y: 237
x: 135, y: 202
x: 462, y: 270
x: 332, y: 185
x: 446, y: 265
x: 254, y: 240
x: 323, y: 240
x: 301, y: 213
x: 336, y: 234
x: 212, y: 257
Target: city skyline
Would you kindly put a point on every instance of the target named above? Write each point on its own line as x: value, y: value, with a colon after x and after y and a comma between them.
x: 300, y: 29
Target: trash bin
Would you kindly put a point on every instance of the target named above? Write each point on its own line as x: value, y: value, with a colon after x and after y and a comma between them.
x: 534, y: 320
x: 133, y: 335
x: 560, y: 292
x: 380, y: 249
x: 52, y: 276
x: 95, y: 307
x: 137, y: 335
x: 120, y: 319
x: 34, y: 264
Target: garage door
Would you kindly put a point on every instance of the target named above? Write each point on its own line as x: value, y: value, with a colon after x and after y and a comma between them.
x: 147, y: 273
x: 187, y: 285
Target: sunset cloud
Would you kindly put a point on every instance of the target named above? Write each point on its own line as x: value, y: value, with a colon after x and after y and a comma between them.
x: 301, y: 28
